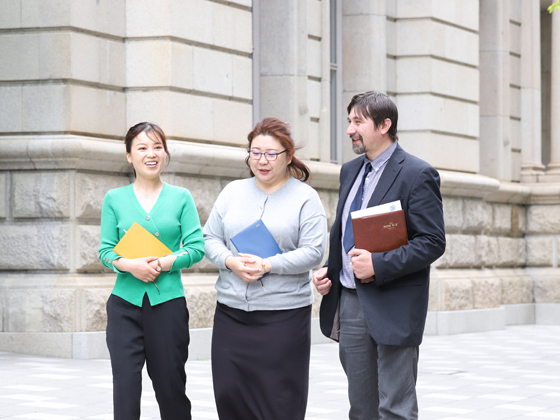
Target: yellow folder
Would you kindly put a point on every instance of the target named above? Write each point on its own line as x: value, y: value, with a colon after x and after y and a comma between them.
x: 137, y: 242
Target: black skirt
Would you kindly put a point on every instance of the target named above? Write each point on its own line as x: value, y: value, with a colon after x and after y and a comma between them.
x: 260, y: 363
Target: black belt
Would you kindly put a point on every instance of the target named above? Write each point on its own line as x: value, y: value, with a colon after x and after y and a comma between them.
x: 348, y: 289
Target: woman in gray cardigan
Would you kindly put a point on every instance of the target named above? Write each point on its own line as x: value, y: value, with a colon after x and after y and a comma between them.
x: 262, y: 336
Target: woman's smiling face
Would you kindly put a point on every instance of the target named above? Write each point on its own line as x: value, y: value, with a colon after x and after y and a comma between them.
x: 147, y: 156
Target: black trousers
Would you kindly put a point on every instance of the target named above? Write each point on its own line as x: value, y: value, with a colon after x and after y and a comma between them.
x: 159, y: 336
x: 260, y: 363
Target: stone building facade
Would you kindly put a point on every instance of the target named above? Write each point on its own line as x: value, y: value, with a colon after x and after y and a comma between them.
x: 475, y: 81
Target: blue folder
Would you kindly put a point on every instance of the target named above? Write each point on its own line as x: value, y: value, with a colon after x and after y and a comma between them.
x: 256, y: 239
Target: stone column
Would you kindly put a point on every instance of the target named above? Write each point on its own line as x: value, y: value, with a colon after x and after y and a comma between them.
x: 553, y: 173
x: 495, y: 148
x: 283, y: 51
x: 437, y: 83
x: 364, y: 32
x: 531, y: 164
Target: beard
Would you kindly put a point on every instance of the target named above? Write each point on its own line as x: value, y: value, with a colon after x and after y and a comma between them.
x: 358, y: 148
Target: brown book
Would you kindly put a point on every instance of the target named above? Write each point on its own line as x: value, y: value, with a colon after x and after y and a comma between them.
x: 380, y: 233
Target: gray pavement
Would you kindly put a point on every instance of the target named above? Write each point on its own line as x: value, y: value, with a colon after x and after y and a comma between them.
x: 508, y: 374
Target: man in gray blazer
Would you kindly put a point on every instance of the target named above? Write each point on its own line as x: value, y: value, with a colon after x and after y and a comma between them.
x: 379, y: 324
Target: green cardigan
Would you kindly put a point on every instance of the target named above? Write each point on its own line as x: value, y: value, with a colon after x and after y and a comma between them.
x: 173, y: 219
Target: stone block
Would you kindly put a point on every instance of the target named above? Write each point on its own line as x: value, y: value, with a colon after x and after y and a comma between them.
x: 460, y: 251
x: 242, y: 77
x: 515, y: 102
x: 515, y: 38
x: 91, y: 190
x: 201, y: 302
x: 429, y: 112
x: 543, y: 219
x: 46, y: 246
x: 314, y: 18
x: 87, y: 258
x: 547, y: 289
x: 232, y: 28
x: 441, y: 150
x: 11, y: 14
x: 515, y: 70
x: 314, y: 98
x: 193, y: 20
x: 41, y: 194
x: 213, y: 71
x: 365, y: 45
x: 20, y: 54
x: 4, y: 193
x: 501, y: 218
x: 73, y: 108
x: 487, y: 292
x: 45, y: 107
x: 313, y: 146
x: 518, y: 219
x: 97, y: 111
x: 40, y: 344
x: 99, y: 60
x: 93, y: 306
x: 540, y: 250
x: 232, y: 121
x: 515, y: 134
x: 515, y: 11
x: 464, y: 14
x: 39, y: 13
x: 391, y: 74
x: 458, y: 294
x: 477, y: 215
x: 438, y: 40
x: 521, y: 252
x: 97, y: 16
x: 358, y: 7
x: 11, y: 113
x: 486, y: 251
x: 156, y: 71
x: 57, y: 51
x: 39, y: 310
x: 509, y: 252
x: 205, y: 191
x: 426, y: 74
x: 547, y: 314
x: 453, y: 213
x: 314, y: 56
x: 516, y: 289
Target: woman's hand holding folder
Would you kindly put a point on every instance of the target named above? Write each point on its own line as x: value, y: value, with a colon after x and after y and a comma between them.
x: 144, y: 269
x: 245, y: 267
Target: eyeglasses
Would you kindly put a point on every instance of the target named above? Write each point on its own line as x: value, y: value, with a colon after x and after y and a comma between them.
x: 270, y: 156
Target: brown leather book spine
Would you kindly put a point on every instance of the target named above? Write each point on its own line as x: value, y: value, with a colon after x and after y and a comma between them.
x: 381, y: 232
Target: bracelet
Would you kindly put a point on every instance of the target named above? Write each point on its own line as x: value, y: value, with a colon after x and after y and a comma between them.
x: 262, y: 263
x: 158, y: 268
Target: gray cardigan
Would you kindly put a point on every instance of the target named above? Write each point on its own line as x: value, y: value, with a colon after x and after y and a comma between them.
x: 296, y: 219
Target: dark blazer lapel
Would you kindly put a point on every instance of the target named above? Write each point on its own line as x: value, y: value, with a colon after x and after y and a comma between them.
x: 346, y: 186
x: 390, y: 173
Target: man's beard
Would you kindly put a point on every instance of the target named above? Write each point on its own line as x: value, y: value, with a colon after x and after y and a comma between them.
x: 358, y: 148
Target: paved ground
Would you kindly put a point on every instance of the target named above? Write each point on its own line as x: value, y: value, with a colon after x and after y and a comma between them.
x: 509, y: 374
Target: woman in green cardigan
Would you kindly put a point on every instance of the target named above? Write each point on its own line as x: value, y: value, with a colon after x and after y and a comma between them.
x: 147, y: 316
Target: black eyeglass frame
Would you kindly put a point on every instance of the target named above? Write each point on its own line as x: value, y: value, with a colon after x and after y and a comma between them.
x: 267, y: 155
